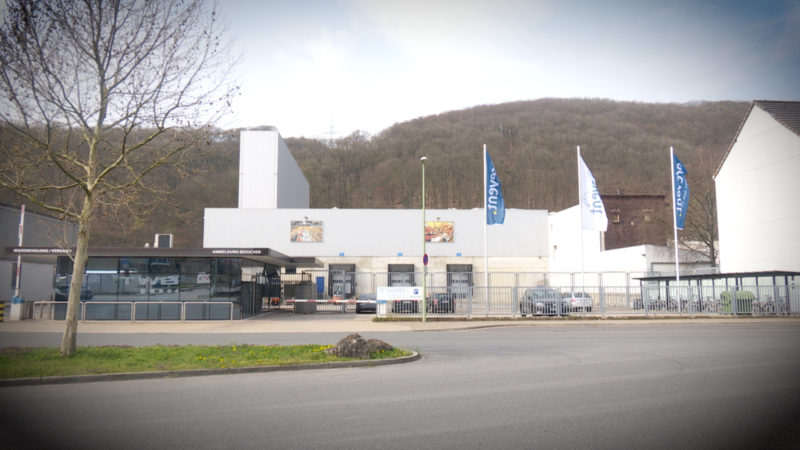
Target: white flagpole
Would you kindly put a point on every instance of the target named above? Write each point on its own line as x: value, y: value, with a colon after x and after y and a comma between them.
x: 18, y: 274
x: 580, y: 212
x: 485, y: 229
x: 675, y: 222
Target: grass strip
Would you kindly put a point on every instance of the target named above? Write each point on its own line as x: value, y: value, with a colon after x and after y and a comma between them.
x: 25, y: 362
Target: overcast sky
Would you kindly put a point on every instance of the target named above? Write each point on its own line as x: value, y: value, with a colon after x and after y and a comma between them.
x: 310, y: 66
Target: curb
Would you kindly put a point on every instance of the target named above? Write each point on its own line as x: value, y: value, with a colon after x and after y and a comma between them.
x: 74, y: 379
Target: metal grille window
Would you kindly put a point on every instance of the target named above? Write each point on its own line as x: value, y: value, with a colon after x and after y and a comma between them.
x: 341, y: 279
x: 459, y: 279
x: 401, y: 275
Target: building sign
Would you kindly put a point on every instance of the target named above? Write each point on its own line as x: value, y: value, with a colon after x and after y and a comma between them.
x: 306, y: 231
x: 439, y: 232
x: 399, y: 293
x: 39, y: 250
x: 237, y: 251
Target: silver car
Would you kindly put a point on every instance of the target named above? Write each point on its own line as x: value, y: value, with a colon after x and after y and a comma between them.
x: 578, y: 301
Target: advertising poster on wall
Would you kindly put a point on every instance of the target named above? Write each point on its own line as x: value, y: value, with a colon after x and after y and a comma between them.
x: 306, y: 231
x: 439, y: 231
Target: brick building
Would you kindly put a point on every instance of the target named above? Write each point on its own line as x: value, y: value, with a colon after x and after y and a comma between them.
x: 637, y: 220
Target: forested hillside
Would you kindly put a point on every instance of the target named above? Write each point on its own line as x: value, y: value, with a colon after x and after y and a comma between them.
x: 533, y: 146
x: 532, y: 143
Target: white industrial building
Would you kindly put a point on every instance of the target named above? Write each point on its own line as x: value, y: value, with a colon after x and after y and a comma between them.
x: 269, y: 177
x: 758, y: 192
x: 364, y: 240
x: 273, y: 213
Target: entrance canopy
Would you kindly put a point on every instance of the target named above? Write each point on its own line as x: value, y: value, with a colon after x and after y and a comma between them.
x: 259, y: 255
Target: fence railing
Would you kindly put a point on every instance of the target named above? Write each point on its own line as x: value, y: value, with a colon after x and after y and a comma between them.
x: 611, y: 293
x: 604, y: 301
x: 133, y: 311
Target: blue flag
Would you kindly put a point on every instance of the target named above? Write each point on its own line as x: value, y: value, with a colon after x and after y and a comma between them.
x: 681, y: 200
x: 495, y: 207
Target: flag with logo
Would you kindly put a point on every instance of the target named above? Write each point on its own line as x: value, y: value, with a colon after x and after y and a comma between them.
x: 681, y: 191
x: 593, y: 213
x: 495, y: 207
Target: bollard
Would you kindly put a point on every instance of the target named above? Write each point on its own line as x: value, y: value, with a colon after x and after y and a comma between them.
x: 16, y: 308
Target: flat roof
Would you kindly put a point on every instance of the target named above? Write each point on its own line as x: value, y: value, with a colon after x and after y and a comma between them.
x: 717, y: 276
x: 261, y: 255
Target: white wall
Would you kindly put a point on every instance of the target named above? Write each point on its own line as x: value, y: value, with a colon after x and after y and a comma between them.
x: 269, y: 177
x: 293, y: 189
x: 566, y: 255
x: 37, y: 281
x: 758, y: 198
x: 377, y: 232
x: 565, y: 242
x: 438, y: 264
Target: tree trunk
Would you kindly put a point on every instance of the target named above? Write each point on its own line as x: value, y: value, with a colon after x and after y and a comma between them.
x: 69, y: 340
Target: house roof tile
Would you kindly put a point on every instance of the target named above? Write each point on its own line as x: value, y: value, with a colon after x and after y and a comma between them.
x: 787, y: 113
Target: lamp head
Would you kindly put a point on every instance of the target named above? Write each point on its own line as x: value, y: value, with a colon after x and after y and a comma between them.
x: 423, y: 159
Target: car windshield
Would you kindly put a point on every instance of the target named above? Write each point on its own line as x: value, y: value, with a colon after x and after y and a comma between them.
x: 543, y: 293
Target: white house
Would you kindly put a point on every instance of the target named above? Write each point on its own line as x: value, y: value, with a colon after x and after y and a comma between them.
x: 758, y: 192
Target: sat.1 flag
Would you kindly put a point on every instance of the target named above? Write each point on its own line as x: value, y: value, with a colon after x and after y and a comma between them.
x: 681, y: 191
x: 495, y: 207
x: 593, y: 213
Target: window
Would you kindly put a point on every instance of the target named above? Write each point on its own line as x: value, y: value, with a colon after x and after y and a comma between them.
x: 615, y: 216
x: 401, y: 275
x: 648, y: 215
x: 341, y: 279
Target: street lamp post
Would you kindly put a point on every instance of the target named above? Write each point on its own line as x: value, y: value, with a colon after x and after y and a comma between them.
x: 424, y: 254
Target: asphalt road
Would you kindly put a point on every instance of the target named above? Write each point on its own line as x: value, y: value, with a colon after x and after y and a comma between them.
x: 726, y: 385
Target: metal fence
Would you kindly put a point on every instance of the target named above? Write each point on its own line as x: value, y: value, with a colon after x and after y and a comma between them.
x: 610, y: 294
x: 467, y: 294
x: 138, y: 311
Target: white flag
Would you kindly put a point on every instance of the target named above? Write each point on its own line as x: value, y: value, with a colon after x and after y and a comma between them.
x: 593, y: 214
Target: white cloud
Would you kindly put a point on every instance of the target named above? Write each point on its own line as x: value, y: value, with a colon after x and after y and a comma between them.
x: 363, y: 64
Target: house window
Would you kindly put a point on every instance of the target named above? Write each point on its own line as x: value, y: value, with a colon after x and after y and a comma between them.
x: 615, y: 216
x: 647, y: 216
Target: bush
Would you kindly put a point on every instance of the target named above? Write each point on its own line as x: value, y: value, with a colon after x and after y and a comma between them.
x: 744, y: 301
x: 740, y: 295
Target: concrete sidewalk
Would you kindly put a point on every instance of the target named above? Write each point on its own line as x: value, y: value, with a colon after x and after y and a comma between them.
x: 287, y: 322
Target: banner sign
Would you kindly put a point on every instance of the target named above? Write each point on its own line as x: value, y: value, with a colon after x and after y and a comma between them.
x: 681, y: 192
x: 306, y: 231
x: 495, y: 206
x: 439, y: 232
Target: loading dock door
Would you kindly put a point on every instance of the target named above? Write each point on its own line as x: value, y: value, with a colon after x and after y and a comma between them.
x: 401, y: 275
x: 459, y: 280
x: 342, y: 279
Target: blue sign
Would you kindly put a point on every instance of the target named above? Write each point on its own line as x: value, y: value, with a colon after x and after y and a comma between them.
x: 681, y: 200
x: 495, y: 206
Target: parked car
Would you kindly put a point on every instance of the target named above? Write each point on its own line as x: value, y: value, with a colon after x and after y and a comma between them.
x: 405, y: 306
x: 366, y: 303
x: 441, y: 303
x: 541, y: 300
x: 61, y: 294
x: 577, y: 301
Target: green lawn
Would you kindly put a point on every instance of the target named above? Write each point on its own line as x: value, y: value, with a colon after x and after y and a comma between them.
x: 22, y: 362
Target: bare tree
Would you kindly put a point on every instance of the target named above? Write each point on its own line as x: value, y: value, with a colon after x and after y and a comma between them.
x: 98, y: 95
x: 700, y: 231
